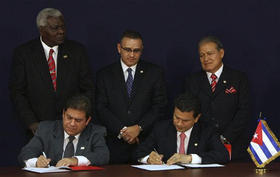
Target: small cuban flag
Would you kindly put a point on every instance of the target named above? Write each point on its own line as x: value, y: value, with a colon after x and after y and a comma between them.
x: 264, y: 147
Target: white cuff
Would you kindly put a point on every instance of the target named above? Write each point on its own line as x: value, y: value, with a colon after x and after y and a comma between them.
x: 144, y: 159
x: 31, y: 162
x: 82, y: 161
x: 120, y: 134
x: 196, y: 158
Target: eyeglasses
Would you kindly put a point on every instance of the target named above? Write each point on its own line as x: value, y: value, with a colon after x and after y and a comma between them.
x: 129, y: 50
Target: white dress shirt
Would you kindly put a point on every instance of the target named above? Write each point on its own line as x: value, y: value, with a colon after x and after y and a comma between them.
x: 125, y: 72
x: 195, y: 158
x: 217, y: 73
x: 47, y: 51
x: 82, y: 160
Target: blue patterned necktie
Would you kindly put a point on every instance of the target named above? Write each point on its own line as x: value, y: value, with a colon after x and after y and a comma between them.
x: 129, y: 81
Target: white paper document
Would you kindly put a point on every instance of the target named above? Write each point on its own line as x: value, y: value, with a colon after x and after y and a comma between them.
x: 158, y: 167
x: 202, y: 165
x: 51, y: 169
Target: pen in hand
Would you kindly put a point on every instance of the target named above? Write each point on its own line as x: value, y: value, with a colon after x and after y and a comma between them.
x: 45, y: 157
x: 159, y: 155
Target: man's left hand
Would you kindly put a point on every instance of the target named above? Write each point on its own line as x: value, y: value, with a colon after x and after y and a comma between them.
x: 67, y: 162
x: 179, y: 158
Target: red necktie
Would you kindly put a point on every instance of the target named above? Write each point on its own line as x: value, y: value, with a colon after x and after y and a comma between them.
x: 182, y: 143
x: 213, y: 82
x: 51, y: 64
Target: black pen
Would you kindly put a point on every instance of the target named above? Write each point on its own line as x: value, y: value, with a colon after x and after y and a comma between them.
x: 158, y: 154
x: 181, y: 165
x: 156, y: 150
x: 45, y: 157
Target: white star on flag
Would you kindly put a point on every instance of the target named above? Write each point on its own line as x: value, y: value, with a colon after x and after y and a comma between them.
x: 255, y: 136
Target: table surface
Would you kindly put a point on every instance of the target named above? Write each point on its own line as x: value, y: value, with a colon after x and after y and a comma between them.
x: 230, y: 170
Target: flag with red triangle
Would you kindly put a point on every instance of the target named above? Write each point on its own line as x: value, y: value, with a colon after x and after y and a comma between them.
x: 264, y: 146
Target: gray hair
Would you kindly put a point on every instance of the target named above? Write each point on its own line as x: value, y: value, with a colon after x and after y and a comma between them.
x: 44, y: 14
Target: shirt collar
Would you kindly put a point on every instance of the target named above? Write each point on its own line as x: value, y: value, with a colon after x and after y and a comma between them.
x: 124, y: 66
x: 66, y: 136
x: 188, y: 133
x: 47, y: 48
x: 217, y: 73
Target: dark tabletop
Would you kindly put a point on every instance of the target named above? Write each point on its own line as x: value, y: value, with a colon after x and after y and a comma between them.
x: 230, y: 170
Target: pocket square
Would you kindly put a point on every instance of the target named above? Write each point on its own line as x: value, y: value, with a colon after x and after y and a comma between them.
x: 230, y: 90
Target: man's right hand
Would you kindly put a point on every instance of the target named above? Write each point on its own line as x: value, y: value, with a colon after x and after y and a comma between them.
x: 155, y: 158
x: 42, y: 162
x: 33, y: 127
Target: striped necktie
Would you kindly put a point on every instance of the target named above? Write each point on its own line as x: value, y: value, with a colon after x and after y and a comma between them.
x: 213, y: 82
x: 51, y: 64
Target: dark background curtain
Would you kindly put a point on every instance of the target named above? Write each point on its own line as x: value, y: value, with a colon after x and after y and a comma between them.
x: 171, y: 28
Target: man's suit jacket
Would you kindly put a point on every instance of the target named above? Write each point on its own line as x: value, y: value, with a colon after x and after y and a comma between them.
x: 116, y: 110
x: 30, y: 85
x: 204, y: 141
x: 227, y: 111
x: 49, y: 138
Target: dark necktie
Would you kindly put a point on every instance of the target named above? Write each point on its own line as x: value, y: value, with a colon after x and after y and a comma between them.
x: 182, y: 143
x: 129, y: 81
x: 213, y: 82
x: 51, y: 64
x: 69, y: 150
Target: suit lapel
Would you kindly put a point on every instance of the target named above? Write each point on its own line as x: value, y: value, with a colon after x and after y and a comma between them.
x: 41, y: 64
x: 119, y: 81
x: 222, y: 83
x: 58, y: 135
x: 194, y: 140
x: 138, y: 78
x: 83, y: 141
x: 205, y: 85
x: 63, y: 60
x: 171, y: 146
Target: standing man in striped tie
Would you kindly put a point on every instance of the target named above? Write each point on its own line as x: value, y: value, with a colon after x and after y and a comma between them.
x: 46, y: 71
x: 224, y: 95
x: 130, y: 98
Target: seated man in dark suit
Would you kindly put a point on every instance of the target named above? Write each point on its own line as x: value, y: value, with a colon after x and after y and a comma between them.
x: 74, y: 141
x: 185, y: 140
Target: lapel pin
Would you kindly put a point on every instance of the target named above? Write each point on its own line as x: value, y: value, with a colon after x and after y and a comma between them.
x: 141, y: 71
x: 195, y: 144
x: 65, y: 56
x: 82, y: 148
x: 224, y: 81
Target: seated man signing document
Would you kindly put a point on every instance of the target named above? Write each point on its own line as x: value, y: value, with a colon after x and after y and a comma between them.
x: 186, y: 139
x: 72, y: 141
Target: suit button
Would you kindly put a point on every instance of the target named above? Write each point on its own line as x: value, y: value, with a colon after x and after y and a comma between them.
x: 128, y: 112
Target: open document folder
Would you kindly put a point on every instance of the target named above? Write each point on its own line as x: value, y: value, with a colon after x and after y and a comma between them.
x: 53, y: 169
x: 174, y: 167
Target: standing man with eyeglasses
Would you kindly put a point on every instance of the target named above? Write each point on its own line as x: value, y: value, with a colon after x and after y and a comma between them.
x: 46, y: 71
x: 130, y: 98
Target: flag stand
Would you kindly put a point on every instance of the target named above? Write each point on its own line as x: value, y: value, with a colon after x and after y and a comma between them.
x: 260, y: 171
x: 264, y: 146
